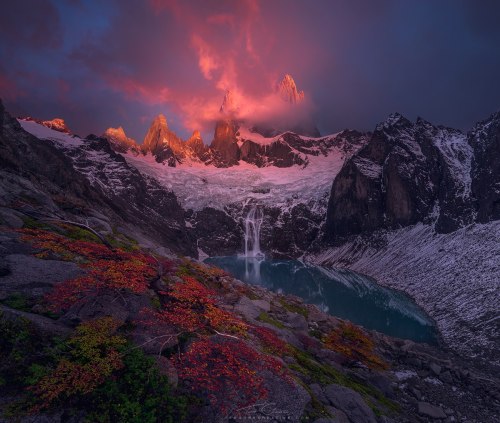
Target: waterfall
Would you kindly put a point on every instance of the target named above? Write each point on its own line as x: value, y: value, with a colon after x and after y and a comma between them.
x: 253, y: 223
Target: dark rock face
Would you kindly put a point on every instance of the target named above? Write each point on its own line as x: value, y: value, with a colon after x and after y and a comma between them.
x: 217, y: 232
x: 485, y: 141
x: 289, y: 233
x: 278, y: 154
x: 407, y: 173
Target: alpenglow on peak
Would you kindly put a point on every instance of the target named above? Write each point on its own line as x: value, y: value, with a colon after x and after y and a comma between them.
x: 288, y: 90
x: 228, y: 104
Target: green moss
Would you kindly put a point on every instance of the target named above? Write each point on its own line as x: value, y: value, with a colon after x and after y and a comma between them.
x: 325, y: 375
x: 315, y: 409
x: 264, y: 317
x: 80, y: 234
x: 252, y: 295
x: 120, y: 240
x: 17, y: 301
x: 316, y: 333
x: 31, y: 223
x: 184, y: 270
x: 294, y: 308
x: 155, y: 302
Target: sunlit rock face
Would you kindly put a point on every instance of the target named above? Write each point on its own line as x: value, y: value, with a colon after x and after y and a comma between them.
x: 57, y: 124
x: 288, y: 90
x: 225, y: 143
x: 163, y: 143
x: 119, y: 140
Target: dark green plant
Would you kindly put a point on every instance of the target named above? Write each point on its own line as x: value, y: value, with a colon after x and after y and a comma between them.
x: 136, y: 394
x: 264, y: 317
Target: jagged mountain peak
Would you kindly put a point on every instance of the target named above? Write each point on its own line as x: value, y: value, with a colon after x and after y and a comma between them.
x: 394, y: 120
x: 288, y: 90
x: 118, y: 139
x: 160, y: 120
x: 57, y: 124
x: 228, y: 105
x: 196, y: 134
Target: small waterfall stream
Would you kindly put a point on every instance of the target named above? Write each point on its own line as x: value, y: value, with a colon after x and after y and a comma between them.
x: 253, y: 255
x: 253, y: 222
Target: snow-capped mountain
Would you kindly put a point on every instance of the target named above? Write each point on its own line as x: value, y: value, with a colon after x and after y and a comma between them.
x: 236, y: 140
x: 407, y: 173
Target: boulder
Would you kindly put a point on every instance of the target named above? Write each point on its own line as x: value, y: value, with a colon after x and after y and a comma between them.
x: 35, y: 277
x: 351, y: 403
x: 430, y: 410
x: 42, y: 324
x: 251, y: 309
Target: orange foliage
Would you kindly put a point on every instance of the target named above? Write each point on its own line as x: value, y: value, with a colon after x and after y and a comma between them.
x: 106, y: 269
x: 191, y: 306
x: 93, y: 358
x: 351, y: 341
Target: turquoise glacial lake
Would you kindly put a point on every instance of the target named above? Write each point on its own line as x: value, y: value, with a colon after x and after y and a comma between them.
x: 341, y: 293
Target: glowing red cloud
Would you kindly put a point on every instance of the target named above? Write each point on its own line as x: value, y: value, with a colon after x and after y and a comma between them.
x: 228, y: 43
x: 136, y: 90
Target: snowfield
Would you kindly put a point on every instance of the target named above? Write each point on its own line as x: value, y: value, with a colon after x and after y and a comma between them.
x: 197, y: 185
x: 454, y: 277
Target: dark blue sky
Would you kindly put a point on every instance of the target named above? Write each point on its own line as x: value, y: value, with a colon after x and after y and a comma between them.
x: 99, y: 64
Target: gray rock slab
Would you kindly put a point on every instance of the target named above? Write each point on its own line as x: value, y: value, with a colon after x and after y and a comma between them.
x: 351, y: 403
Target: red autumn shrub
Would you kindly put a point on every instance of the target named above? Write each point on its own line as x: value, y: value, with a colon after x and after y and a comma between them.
x: 107, y: 269
x: 270, y: 341
x: 227, y: 371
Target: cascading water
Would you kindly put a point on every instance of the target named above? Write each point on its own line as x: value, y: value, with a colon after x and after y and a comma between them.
x: 253, y: 222
x: 253, y: 256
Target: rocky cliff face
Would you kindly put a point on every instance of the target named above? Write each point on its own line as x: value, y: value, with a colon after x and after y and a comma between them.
x: 485, y: 141
x: 288, y: 90
x: 225, y: 144
x: 119, y: 141
x: 416, y: 172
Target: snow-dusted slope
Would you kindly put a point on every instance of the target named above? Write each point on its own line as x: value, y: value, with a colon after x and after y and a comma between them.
x: 455, y: 277
x: 198, y: 186
x: 110, y: 175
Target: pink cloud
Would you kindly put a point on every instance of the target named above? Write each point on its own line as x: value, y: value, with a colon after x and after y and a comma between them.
x: 191, y: 54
